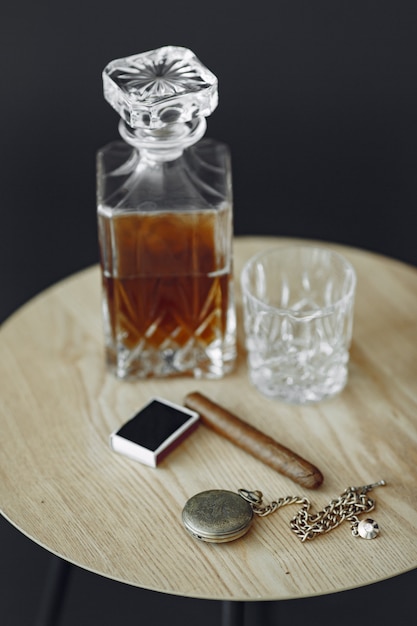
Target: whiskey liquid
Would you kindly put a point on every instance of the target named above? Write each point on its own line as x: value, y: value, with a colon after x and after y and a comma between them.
x: 167, y: 293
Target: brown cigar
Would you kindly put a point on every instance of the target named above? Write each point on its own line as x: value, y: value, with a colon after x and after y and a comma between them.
x: 254, y: 441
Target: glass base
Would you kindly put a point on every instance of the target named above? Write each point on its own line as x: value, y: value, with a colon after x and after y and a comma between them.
x: 213, y: 362
x: 299, y: 387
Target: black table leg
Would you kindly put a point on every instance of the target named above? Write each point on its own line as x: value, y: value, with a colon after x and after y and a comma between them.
x: 233, y: 613
x: 54, y: 592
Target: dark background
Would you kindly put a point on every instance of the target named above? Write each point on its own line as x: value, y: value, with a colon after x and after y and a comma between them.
x: 318, y: 102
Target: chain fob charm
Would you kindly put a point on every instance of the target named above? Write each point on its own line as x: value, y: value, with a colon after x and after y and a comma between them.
x: 218, y: 516
x: 367, y: 529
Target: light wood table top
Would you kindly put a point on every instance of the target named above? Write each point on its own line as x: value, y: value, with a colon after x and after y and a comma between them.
x: 61, y: 485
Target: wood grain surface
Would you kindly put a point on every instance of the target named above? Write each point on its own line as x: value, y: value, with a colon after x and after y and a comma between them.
x: 62, y: 486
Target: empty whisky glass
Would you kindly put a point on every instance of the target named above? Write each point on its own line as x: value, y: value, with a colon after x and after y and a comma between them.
x: 298, y: 314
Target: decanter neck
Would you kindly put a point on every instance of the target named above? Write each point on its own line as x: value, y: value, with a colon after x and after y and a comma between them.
x: 164, y: 144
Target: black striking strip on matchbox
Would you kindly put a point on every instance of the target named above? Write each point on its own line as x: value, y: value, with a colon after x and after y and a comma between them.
x: 154, y: 431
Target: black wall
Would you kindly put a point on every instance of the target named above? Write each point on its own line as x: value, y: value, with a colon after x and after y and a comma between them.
x: 318, y: 101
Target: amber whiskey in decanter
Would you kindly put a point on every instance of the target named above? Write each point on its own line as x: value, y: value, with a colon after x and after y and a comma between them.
x: 164, y: 199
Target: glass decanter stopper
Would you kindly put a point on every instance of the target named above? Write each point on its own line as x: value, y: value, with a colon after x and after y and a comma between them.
x: 164, y: 199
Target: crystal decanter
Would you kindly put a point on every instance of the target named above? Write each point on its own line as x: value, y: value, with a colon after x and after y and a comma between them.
x: 164, y: 199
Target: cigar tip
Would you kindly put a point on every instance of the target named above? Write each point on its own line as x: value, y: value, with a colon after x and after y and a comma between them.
x: 313, y: 480
x: 192, y: 394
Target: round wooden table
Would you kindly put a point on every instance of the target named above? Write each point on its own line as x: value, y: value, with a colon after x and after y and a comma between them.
x: 63, y: 487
